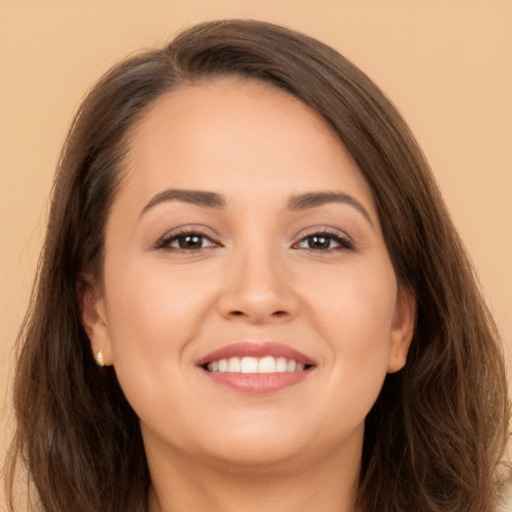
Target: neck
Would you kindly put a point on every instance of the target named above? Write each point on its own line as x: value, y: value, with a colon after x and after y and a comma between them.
x: 179, y: 483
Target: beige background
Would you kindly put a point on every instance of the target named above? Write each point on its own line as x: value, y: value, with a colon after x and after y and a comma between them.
x: 446, y: 64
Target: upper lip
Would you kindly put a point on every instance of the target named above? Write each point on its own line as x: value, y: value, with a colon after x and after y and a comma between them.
x: 255, y: 349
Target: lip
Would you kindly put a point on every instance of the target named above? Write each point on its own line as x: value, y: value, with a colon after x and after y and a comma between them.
x: 257, y: 383
x: 256, y: 349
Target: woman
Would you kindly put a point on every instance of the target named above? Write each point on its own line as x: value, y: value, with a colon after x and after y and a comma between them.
x: 251, y: 297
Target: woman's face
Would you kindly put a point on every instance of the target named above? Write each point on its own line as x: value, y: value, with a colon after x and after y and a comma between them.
x: 244, y: 239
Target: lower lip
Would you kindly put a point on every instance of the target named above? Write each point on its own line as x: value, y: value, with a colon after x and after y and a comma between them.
x: 258, y: 383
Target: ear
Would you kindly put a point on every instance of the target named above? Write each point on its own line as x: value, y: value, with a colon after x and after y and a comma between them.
x: 402, y: 331
x: 94, y: 318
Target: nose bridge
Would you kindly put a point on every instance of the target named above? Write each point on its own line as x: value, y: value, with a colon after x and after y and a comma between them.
x: 259, y: 274
x: 257, y: 287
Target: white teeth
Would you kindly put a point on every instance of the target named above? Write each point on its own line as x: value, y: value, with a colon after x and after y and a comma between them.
x: 234, y: 364
x: 291, y: 366
x: 249, y: 365
x: 267, y: 364
x: 281, y: 364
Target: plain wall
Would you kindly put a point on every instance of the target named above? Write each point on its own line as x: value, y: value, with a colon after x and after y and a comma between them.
x: 446, y: 64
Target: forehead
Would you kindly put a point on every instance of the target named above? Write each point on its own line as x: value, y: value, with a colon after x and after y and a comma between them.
x: 236, y: 133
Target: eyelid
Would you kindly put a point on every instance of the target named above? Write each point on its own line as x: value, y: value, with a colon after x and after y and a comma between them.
x: 345, y: 242
x: 184, y: 230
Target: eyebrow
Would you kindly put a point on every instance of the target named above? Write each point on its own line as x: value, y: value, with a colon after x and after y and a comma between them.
x: 198, y: 197
x: 207, y: 199
x: 316, y: 199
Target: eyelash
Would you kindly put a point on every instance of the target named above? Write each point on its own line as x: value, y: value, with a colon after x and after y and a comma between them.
x: 165, y: 242
x: 344, y: 243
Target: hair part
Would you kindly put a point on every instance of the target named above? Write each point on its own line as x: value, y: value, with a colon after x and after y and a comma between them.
x: 435, y: 436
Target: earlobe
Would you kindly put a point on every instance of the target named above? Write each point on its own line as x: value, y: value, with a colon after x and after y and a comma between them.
x: 94, y: 320
x: 402, y: 331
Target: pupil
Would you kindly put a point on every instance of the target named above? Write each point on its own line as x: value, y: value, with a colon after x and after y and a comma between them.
x: 190, y: 242
x: 319, y: 242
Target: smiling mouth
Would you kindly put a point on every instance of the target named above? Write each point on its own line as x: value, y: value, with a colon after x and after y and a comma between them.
x: 255, y: 365
x: 256, y: 368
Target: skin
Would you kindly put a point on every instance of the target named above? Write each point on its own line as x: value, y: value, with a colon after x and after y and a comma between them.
x: 255, y: 275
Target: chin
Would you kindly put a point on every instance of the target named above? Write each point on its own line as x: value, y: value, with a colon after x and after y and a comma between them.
x: 255, y: 441
x: 258, y: 455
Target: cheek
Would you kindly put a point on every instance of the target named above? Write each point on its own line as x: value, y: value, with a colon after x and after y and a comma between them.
x: 355, y: 305
x: 152, y: 314
x: 355, y: 317
x: 150, y: 308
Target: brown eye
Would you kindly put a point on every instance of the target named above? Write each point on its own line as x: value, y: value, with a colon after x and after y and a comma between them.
x: 190, y: 242
x: 319, y: 242
x: 186, y: 242
x: 324, y: 242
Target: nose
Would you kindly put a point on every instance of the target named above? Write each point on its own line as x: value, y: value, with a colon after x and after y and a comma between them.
x: 258, y: 289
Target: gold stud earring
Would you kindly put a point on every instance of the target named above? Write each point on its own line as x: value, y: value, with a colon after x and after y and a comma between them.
x: 99, y: 358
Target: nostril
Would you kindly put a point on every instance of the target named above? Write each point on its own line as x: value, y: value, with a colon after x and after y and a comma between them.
x: 279, y: 313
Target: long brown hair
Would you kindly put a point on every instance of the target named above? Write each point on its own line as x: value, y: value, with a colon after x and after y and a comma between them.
x: 435, y: 436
